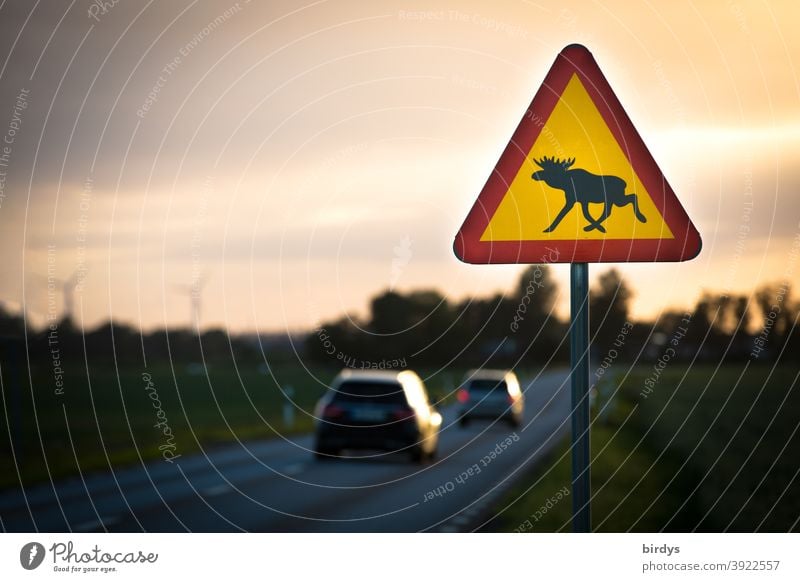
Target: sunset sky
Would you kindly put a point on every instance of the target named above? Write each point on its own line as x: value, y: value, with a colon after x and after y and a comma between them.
x: 304, y: 157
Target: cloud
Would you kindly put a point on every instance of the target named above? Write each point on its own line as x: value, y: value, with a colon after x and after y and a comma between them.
x: 332, y: 132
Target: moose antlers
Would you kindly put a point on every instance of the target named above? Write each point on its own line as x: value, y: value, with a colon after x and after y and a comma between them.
x: 553, y: 162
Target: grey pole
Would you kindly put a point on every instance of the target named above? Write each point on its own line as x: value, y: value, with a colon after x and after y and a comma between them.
x: 579, y: 365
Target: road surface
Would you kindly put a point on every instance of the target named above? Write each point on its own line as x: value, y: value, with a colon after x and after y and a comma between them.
x: 276, y: 485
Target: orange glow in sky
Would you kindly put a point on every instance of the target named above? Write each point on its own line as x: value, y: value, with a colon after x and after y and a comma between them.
x: 301, y: 158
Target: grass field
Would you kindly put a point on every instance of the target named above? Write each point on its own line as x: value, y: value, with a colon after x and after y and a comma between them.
x: 107, y: 418
x: 707, y: 450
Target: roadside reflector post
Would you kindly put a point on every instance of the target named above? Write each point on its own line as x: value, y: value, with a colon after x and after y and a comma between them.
x: 579, y: 368
x: 288, y: 407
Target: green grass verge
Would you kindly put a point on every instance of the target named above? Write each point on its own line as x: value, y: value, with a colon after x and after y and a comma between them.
x: 707, y: 450
x: 107, y: 418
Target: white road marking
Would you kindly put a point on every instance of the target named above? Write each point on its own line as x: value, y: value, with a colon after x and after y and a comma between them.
x: 216, y: 490
x: 294, y: 469
x: 95, y: 524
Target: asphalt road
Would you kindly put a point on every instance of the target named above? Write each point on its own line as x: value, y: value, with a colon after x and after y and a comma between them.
x: 277, y: 486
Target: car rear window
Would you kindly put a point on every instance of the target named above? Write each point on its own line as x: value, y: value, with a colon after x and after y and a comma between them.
x: 370, y: 392
x: 482, y: 385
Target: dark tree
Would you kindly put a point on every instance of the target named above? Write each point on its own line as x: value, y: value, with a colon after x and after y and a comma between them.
x: 537, y: 329
x: 609, y: 307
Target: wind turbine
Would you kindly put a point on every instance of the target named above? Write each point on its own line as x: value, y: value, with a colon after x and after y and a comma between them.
x: 68, y: 291
x: 68, y: 286
x: 195, y: 293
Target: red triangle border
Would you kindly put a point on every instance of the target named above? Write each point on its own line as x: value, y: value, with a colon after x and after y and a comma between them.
x: 576, y: 59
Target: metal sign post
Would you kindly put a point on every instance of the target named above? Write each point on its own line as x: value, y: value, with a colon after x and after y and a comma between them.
x: 579, y: 367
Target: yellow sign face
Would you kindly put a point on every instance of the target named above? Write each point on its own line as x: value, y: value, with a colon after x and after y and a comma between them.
x: 583, y: 186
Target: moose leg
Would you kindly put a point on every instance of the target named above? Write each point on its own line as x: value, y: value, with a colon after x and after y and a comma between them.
x: 632, y: 199
x: 598, y: 223
x: 592, y: 222
x: 567, y: 207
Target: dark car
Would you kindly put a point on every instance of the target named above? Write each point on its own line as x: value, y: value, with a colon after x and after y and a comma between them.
x: 381, y: 410
x: 492, y: 395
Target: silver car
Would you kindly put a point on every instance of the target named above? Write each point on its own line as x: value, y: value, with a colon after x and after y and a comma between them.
x: 387, y: 410
x: 493, y: 395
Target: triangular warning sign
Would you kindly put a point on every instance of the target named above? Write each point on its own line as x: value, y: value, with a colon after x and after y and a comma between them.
x: 576, y: 184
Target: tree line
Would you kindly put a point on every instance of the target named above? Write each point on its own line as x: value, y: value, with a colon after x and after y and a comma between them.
x: 425, y: 328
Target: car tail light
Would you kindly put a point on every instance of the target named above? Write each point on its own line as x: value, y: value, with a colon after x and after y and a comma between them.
x: 332, y: 411
x: 403, y: 414
x: 462, y: 395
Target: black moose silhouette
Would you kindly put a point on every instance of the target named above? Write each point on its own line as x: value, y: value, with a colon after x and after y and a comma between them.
x: 585, y: 188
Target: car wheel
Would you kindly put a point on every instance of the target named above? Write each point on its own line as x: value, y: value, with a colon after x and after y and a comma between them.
x: 418, y: 454
x: 463, y: 422
x: 515, y: 422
